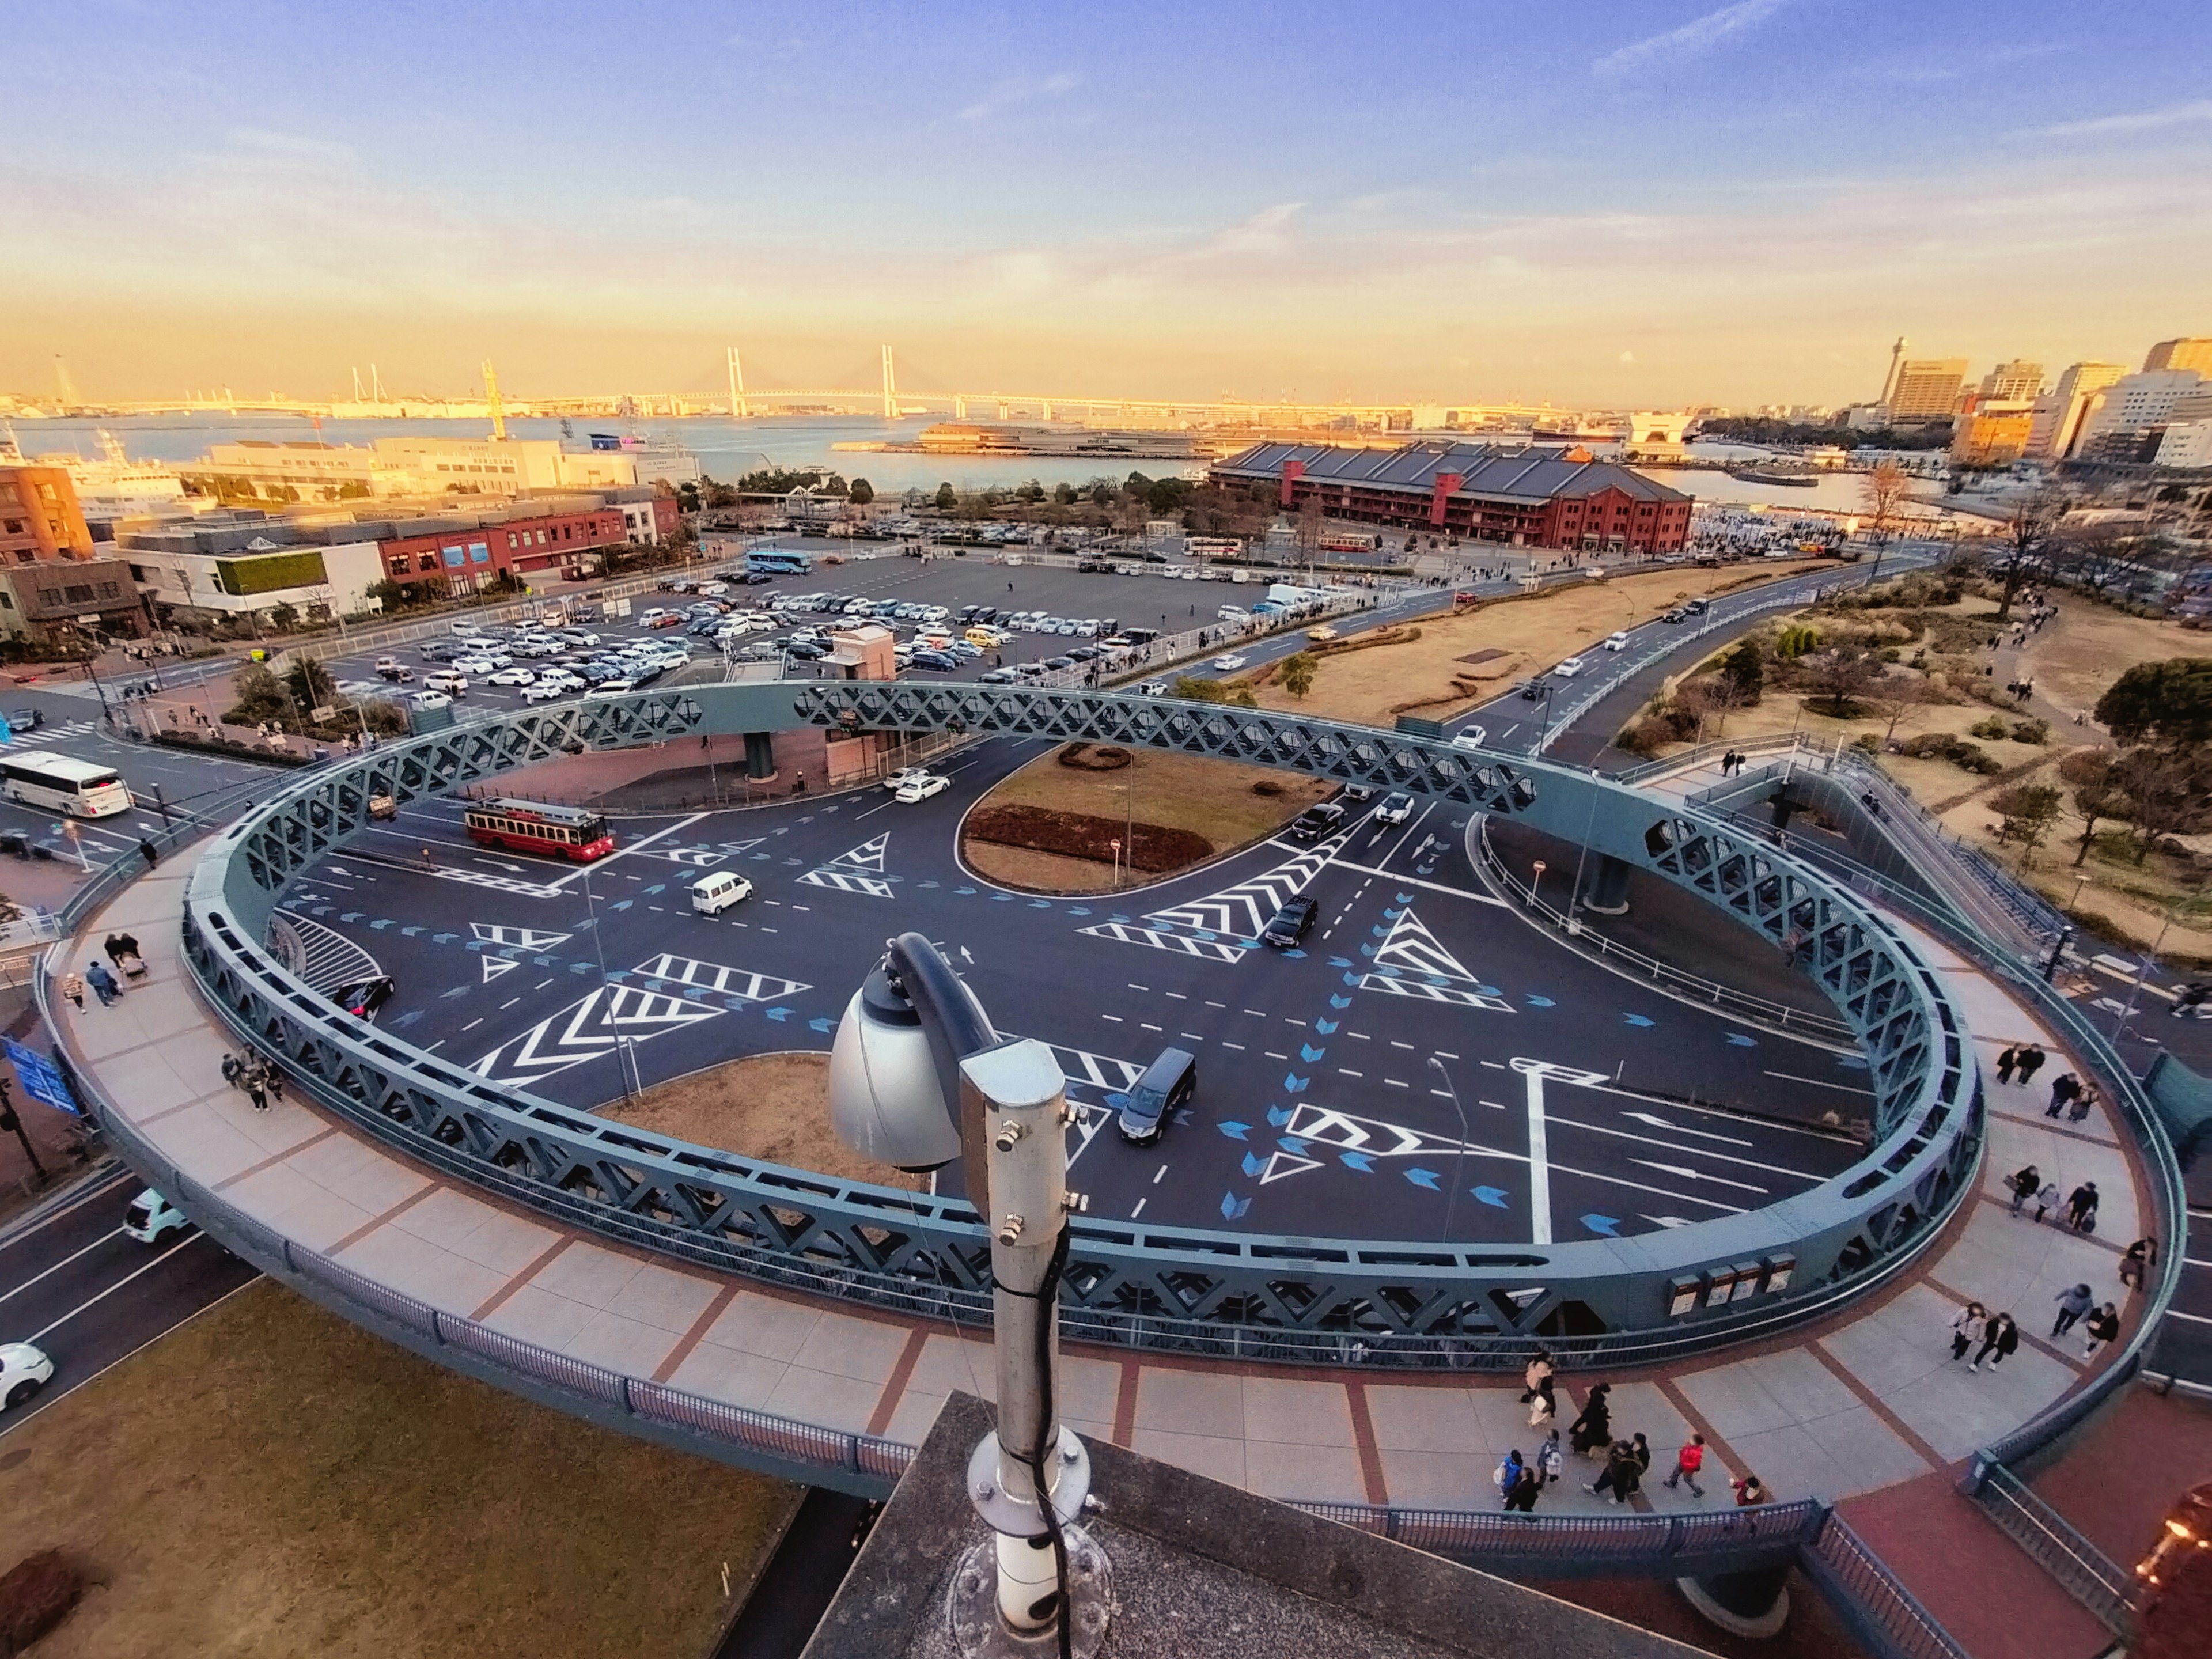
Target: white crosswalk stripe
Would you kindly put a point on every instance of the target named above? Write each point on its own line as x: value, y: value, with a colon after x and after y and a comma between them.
x: 1213, y: 950
x: 1422, y: 990
x: 1413, y: 961
x: 1081, y: 1065
x: 330, y: 959
x: 858, y: 871
x: 723, y: 981
x: 523, y: 939
x: 588, y: 1029
x: 512, y: 885
x: 1243, y: 910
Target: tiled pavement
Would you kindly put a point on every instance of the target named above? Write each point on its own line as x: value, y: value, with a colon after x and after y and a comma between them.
x: 1866, y: 1403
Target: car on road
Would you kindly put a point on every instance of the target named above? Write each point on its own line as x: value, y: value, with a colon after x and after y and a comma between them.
x: 1616, y: 642
x: 1397, y: 806
x: 391, y: 667
x: 1232, y: 613
x: 1056, y: 663
x: 450, y: 681
x: 1677, y: 615
x: 1226, y: 664
x: 1166, y: 1087
x: 1536, y: 690
x: 24, y: 1370
x: 997, y: 676
x: 1321, y: 635
x: 1570, y: 668
x: 716, y: 891
x: 427, y: 701
x: 1323, y: 818
x: 151, y: 1215
x: 1697, y: 607
x: 893, y: 780
x: 549, y: 690
x: 1152, y: 689
x: 1362, y: 793
x: 1470, y: 737
x: 1291, y: 924
x: 613, y: 686
x: 921, y: 787
x: 362, y: 998
x: 512, y: 677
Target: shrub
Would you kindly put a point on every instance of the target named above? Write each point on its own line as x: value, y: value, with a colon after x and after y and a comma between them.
x: 1991, y: 728
x: 1105, y: 758
x: 1866, y: 743
x: 1794, y: 641
x: 1267, y: 787
x: 2031, y: 731
x: 1147, y: 846
x: 36, y: 1594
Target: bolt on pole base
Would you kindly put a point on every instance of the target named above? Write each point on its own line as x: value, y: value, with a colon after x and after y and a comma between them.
x: 972, y: 1603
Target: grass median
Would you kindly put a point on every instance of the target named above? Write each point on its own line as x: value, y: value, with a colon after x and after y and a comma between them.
x: 271, y: 1480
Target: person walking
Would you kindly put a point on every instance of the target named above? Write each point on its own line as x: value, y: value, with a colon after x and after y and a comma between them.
x: 104, y: 984
x: 2072, y: 1304
x: 1522, y: 1497
x: 1592, y: 1432
x: 1543, y: 1404
x: 1507, y: 1474
x: 2080, y: 1203
x: 1538, y: 1371
x: 2064, y: 1088
x: 274, y: 1075
x: 146, y: 852
x: 2103, y: 1326
x: 2135, y: 1265
x: 2023, y: 1183
x: 1750, y: 1491
x: 2046, y: 1198
x: 2085, y: 1101
x: 1641, y: 1450
x: 1966, y: 1328
x: 2006, y: 1061
x: 1689, y: 1458
x: 73, y: 989
x: 2030, y: 1062
x: 1619, y: 1477
x: 2000, y: 1337
x: 1550, y: 1460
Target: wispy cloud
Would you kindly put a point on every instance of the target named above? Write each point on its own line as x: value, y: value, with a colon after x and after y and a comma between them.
x: 1011, y: 94
x: 1694, y: 40
x: 2149, y: 120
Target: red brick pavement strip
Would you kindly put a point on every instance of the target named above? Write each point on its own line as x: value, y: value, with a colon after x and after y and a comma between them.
x: 697, y: 1333
x: 1979, y: 1584
x: 399, y: 1209
x: 1717, y: 1449
x: 544, y: 1259
x: 894, y: 1384
x: 275, y: 1159
x: 1872, y: 1402
x: 1125, y: 1400
x: 1363, y: 1437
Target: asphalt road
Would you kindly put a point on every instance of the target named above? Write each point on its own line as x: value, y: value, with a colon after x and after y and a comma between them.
x: 1594, y: 1105
x: 74, y: 1285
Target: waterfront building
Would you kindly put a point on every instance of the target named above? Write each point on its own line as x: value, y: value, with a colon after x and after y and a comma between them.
x: 41, y: 520
x: 1992, y: 433
x: 2120, y: 418
x: 2017, y: 381
x: 2057, y: 420
x: 1926, y: 390
x: 2184, y: 353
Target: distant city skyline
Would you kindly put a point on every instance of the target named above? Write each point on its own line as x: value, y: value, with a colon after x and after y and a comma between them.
x: 1621, y: 206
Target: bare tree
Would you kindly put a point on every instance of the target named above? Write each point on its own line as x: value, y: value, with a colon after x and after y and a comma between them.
x: 1884, y: 492
x: 2099, y: 793
x: 1842, y: 675
x: 2158, y: 786
x: 2027, y: 531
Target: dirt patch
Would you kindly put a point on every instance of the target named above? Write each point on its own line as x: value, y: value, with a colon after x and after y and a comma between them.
x: 2086, y: 647
x: 1476, y: 659
x: 768, y: 1106
x: 269, y: 1480
x: 1432, y: 671
x: 1029, y: 871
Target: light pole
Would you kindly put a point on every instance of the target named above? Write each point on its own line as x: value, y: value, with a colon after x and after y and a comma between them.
x: 1459, y: 1155
x: 2135, y: 986
x: 625, y: 1062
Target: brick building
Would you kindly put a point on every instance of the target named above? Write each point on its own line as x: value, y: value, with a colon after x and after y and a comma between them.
x: 1527, y: 496
x: 463, y: 560
x: 39, y: 517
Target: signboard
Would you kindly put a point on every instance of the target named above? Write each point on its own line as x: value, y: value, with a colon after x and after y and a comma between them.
x: 42, y: 1079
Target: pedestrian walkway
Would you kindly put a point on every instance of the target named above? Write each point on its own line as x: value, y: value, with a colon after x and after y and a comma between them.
x: 1861, y: 1405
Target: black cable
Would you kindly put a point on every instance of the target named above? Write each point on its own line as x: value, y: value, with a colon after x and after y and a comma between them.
x: 1048, y: 1308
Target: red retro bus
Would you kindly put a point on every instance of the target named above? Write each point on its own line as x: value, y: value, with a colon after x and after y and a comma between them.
x: 529, y: 826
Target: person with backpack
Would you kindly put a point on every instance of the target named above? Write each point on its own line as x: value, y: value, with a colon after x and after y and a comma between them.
x: 2081, y: 1207
x: 2103, y: 1326
x: 1750, y: 1490
x: 1507, y: 1474
x: 1523, y: 1498
x: 2024, y: 1183
x: 1550, y: 1462
x: 2000, y: 1337
x: 1966, y: 1329
x: 2046, y: 1198
x: 1689, y: 1458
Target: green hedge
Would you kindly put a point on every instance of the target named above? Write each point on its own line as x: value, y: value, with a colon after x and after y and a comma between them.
x: 265, y: 573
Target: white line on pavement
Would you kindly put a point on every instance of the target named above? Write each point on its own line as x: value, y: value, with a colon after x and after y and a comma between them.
x: 116, y: 1285
x: 58, y: 1266
x: 1540, y: 1168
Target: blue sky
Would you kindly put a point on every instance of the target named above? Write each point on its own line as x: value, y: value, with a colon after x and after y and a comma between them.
x: 1624, y: 204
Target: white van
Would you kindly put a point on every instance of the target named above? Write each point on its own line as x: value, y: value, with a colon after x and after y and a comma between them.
x: 715, y: 893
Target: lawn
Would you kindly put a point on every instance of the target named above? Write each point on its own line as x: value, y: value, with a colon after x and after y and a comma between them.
x: 271, y: 1480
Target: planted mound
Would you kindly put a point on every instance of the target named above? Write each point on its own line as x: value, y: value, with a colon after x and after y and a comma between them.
x: 1086, y: 758
x: 1147, y: 846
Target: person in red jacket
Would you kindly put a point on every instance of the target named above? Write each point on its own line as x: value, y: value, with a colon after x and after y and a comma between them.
x: 1688, y: 1461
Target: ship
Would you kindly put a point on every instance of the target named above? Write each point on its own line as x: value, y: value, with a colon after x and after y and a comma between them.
x: 1789, y: 476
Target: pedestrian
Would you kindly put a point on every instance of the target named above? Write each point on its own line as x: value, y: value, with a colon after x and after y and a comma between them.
x: 255, y: 1092
x: 1536, y: 1373
x: 103, y: 983
x: 1689, y: 1458
x: 2102, y: 1327
x: 1591, y: 1432
x: 2072, y: 1304
x: 232, y: 1071
x: 2030, y: 1062
x: 2064, y: 1088
x: 275, y: 1075
x: 2046, y: 1198
x: 2140, y: 1257
x: 73, y: 989
x: 1523, y: 1498
x: 1966, y: 1328
x: 1619, y: 1477
x: 1550, y: 1460
x: 1543, y: 1405
x: 1507, y: 1474
x: 2000, y: 1337
x: 1642, y: 1452
x: 2080, y: 1203
x: 2085, y: 1101
x: 2006, y: 1061
x: 2023, y: 1185
x: 1749, y: 1491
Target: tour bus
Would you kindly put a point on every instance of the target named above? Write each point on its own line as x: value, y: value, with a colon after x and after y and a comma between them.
x: 1350, y: 541
x: 778, y: 562
x: 80, y: 789
x: 529, y: 826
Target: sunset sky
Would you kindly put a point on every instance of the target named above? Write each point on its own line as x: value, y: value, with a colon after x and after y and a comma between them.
x: 1616, y: 204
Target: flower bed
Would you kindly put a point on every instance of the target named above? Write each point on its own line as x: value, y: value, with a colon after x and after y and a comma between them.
x: 1147, y: 846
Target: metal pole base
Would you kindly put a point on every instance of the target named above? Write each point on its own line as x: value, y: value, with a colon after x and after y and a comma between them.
x: 972, y: 1604
x: 1754, y: 1604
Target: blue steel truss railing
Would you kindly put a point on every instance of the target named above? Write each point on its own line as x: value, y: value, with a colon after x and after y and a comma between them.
x: 1253, y: 1295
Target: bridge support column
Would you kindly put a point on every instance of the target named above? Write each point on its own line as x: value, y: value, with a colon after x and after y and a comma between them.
x: 1754, y: 1604
x: 760, y: 755
x: 1605, y: 887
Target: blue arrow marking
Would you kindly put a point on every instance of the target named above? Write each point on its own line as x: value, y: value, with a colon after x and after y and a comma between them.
x: 621, y: 905
x: 1349, y: 979
x: 657, y: 887
x: 778, y: 1015
x: 1040, y: 904
x: 1609, y: 1225
x: 1295, y: 955
x: 1117, y: 1102
x: 1232, y: 1128
x: 472, y: 944
x: 404, y: 932
x: 1737, y: 1039
x: 380, y: 924
x: 1405, y: 898
x: 440, y: 939
x: 821, y: 1026
x: 1358, y: 1161
x: 695, y: 994
x: 1002, y: 898
x: 1340, y: 961
x: 1423, y: 1178
x: 1366, y: 951
x: 1639, y: 1019
x: 1493, y: 1196
x: 1203, y: 934
x: 1541, y: 1002
x: 1336, y: 1001
x: 1116, y: 916
x: 926, y: 886
x: 1390, y: 915
x: 1293, y: 1084
x: 1326, y: 1027
x: 355, y: 916
x: 1294, y: 1144
x: 1253, y: 1163
x: 1279, y: 1116
x: 1077, y: 910
x: 963, y: 892
x: 458, y: 991
x: 1233, y: 1207
x: 1378, y: 930
x: 1309, y: 1054
x: 579, y: 967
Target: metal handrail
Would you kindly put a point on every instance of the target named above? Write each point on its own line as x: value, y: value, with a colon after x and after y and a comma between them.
x: 2092, y: 1577
x: 1882, y: 1613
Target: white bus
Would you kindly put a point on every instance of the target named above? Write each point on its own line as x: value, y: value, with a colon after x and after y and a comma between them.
x: 39, y: 777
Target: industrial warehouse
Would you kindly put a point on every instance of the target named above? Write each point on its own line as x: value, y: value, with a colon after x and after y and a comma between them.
x: 1530, y: 495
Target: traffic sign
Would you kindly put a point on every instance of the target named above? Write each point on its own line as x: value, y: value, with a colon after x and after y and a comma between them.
x: 42, y: 1079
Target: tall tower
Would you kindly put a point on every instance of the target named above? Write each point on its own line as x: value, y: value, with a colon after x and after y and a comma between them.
x: 491, y: 396
x: 69, y: 399
x: 1889, y: 381
x: 890, y: 388
x: 737, y: 409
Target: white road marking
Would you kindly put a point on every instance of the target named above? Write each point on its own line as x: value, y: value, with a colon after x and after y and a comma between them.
x: 63, y: 1262
x: 1820, y: 1083
x: 1540, y: 1172
x: 94, y: 1301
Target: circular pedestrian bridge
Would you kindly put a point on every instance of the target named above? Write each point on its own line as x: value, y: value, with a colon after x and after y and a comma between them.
x: 1409, y: 1302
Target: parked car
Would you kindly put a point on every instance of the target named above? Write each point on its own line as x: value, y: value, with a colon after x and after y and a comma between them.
x: 548, y: 690
x: 514, y: 677
x: 427, y: 701
x: 1397, y: 806
x: 447, y: 680
x: 1323, y: 818
x: 1165, y: 1087
x: 1291, y: 924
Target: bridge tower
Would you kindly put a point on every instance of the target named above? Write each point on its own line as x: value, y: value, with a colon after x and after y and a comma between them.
x: 491, y: 397
x: 891, y: 387
x: 959, y: 405
x: 738, y: 411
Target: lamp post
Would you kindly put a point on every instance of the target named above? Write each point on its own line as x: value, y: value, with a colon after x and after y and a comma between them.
x: 1536, y: 881
x: 1459, y: 1153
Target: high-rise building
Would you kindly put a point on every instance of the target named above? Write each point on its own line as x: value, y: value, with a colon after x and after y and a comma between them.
x: 2058, y: 411
x: 39, y: 517
x: 1926, y: 391
x: 1994, y: 433
x: 2132, y: 405
x: 2185, y: 352
x: 2013, y: 381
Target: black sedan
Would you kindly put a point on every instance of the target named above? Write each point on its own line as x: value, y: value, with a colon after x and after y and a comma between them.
x: 1291, y: 923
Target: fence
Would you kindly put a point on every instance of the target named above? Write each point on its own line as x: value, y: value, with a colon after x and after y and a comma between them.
x: 2086, y: 1574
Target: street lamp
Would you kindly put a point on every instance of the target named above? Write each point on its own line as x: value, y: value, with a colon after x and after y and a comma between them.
x: 1537, y: 882
x: 1459, y: 1156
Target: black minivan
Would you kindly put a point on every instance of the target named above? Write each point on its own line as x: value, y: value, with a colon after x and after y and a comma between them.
x: 1166, y: 1086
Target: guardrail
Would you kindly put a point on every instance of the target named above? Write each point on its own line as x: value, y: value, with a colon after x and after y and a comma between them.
x: 2086, y: 1573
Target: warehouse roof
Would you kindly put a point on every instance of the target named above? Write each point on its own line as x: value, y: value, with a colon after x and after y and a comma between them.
x: 1530, y: 473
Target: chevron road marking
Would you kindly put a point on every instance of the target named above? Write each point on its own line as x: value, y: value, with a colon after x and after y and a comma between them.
x: 494, y: 966
x: 1213, y: 949
x: 723, y: 981
x: 1243, y: 910
x: 1424, y: 990
x: 330, y: 958
x: 1411, y: 948
x: 587, y: 1028
x: 523, y: 939
x: 857, y: 871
